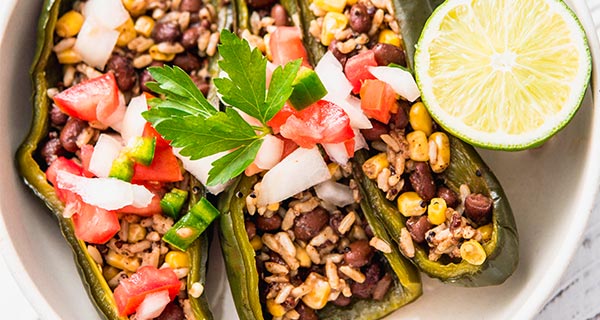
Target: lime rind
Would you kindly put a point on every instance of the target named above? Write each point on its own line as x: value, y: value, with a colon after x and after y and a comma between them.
x: 504, y: 141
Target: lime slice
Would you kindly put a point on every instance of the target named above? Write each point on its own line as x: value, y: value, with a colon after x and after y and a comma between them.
x: 503, y: 74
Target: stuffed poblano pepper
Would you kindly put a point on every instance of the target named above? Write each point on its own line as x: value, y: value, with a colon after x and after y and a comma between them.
x: 438, y: 200
x: 132, y: 216
x: 298, y: 242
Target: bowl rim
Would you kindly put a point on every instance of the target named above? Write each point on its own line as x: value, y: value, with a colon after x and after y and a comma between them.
x: 540, y: 293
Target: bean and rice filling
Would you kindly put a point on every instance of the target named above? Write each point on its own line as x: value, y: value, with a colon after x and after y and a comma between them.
x: 158, y: 32
x: 410, y: 150
x: 310, y: 253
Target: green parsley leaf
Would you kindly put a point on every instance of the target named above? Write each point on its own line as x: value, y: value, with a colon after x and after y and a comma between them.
x: 180, y: 91
x: 233, y: 164
x: 201, y: 137
x: 245, y: 87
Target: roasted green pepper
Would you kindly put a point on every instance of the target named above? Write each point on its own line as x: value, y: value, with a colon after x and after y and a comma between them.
x: 45, y: 72
x: 466, y: 167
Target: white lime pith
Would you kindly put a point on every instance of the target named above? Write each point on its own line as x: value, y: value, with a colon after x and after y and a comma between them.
x: 503, y: 74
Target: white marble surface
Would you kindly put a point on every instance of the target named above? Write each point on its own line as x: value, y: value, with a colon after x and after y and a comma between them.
x: 576, y: 297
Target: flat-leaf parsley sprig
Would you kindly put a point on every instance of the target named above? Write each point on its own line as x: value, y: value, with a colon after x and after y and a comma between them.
x: 185, y: 117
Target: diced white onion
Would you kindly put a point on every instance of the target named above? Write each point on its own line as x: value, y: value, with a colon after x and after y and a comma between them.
x: 106, y: 151
x: 133, y: 122
x: 335, y: 193
x: 110, y: 14
x: 337, y: 152
x: 359, y: 141
x: 269, y: 153
x: 400, y: 80
x: 297, y: 172
x: 199, y: 168
x: 95, y: 43
x: 105, y: 193
x: 331, y: 73
x: 152, y: 305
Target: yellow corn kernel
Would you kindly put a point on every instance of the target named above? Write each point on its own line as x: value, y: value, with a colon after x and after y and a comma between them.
x: 486, y: 231
x: 275, y: 309
x: 136, y: 233
x: 333, y: 22
x: 109, y: 272
x: 439, y: 152
x: 126, y: 33
x: 331, y: 5
x: 69, y: 24
x: 319, y: 293
x: 389, y: 37
x: 334, y: 170
x: 351, y: 2
x: 122, y: 262
x: 303, y: 257
x: 420, y: 119
x: 160, y: 56
x: 436, y: 211
x: 374, y: 165
x: 411, y: 204
x: 135, y: 7
x: 418, y: 147
x: 144, y: 25
x: 177, y: 259
x: 68, y: 56
x: 256, y: 243
x: 472, y: 252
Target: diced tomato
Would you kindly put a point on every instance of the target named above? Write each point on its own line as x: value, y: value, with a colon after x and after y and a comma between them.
x: 130, y: 292
x: 93, y: 224
x: 321, y: 122
x: 62, y: 164
x: 289, y: 146
x: 148, y: 211
x: 164, y: 166
x: 357, y: 69
x: 252, y: 169
x: 377, y: 100
x: 281, y: 117
x: 86, y: 156
x: 286, y: 45
x: 92, y: 100
x: 349, y: 144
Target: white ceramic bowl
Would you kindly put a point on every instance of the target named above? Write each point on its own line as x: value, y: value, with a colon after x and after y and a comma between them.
x: 551, y: 190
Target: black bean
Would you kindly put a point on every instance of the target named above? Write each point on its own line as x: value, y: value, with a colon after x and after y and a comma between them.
x: 187, y: 61
x: 365, y: 289
x: 201, y: 83
x: 417, y: 227
x: 165, y: 32
x: 307, y: 225
x: 386, y: 53
x: 478, y: 208
x: 189, y: 39
x: 172, y: 312
x: 422, y: 182
x: 268, y: 224
x: 334, y: 221
x: 306, y: 313
x: 70, y: 132
x: 190, y: 5
x: 400, y: 118
x: 260, y: 3
x: 360, y: 20
x: 250, y: 229
x: 360, y: 253
x: 123, y: 70
x: 145, y: 77
x: 448, y: 195
x: 57, y: 117
x: 51, y: 150
x: 342, y: 301
x: 375, y: 133
x: 342, y: 58
x: 382, y: 287
x: 279, y: 15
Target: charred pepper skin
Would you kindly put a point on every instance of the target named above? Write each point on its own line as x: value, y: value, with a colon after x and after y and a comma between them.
x: 45, y: 73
